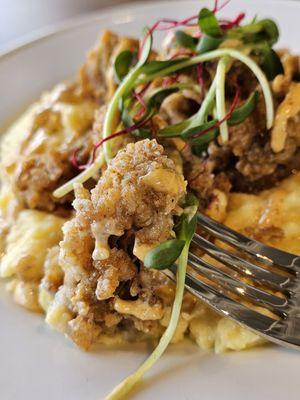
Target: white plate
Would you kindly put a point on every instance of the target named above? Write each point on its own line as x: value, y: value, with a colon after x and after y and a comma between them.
x: 39, y: 364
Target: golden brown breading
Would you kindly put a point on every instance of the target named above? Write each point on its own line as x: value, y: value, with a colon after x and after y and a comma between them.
x: 291, y: 68
x: 60, y: 123
x: 129, y: 211
x: 96, y: 76
x: 35, y: 152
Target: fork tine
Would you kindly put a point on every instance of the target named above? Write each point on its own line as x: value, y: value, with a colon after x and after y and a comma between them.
x: 272, y: 302
x: 276, y: 331
x: 225, y: 305
x: 255, y: 272
x: 266, y: 254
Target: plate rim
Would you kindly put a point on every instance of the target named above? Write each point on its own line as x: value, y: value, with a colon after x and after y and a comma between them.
x: 54, y: 30
x: 117, y: 10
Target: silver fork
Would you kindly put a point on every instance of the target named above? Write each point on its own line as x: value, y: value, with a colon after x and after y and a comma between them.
x: 286, y: 329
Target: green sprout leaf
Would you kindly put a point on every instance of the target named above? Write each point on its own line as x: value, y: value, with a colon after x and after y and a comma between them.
x: 164, y: 255
x: 153, y: 102
x: 174, y: 130
x: 146, y: 50
x: 155, y: 66
x: 270, y: 30
x: 188, y: 225
x: 240, y: 114
x: 122, y: 64
x: 157, y: 96
x: 195, y: 120
x: 185, y: 227
x: 267, y: 30
x: 200, y: 145
x: 185, y: 40
x: 208, y: 23
x: 208, y: 43
x: 190, y: 200
x: 271, y: 63
x: 122, y: 92
x: 264, y: 31
x: 196, y: 130
x: 142, y: 133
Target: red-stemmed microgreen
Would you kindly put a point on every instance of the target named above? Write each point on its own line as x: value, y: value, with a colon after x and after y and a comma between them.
x: 133, y: 72
x: 215, y: 54
x: 124, y: 89
x: 144, y: 89
x: 136, y: 106
x: 218, y: 7
x: 193, y: 134
x: 165, y: 24
x: 195, y: 120
x: 139, y: 97
x: 169, y: 80
x: 241, y: 113
x: 229, y: 24
x: 122, y: 132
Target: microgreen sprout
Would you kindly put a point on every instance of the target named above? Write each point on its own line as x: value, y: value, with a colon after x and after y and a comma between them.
x: 122, y: 132
x: 124, y: 87
x: 84, y: 176
x: 137, y: 100
x: 215, y: 54
x: 164, y: 255
x: 158, y: 258
x: 220, y: 97
x: 135, y: 70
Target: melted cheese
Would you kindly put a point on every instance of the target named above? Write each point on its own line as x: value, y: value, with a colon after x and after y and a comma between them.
x: 277, y: 208
x: 101, y: 250
x: 163, y: 180
x: 289, y: 108
x: 13, y: 139
x: 141, y: 249
x: 102, y: 231
x: 139, y: 309
x: 33, y: 233
x: 18, y: 139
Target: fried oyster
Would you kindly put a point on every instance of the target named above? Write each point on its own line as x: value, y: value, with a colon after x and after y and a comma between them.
x: 129, y: 211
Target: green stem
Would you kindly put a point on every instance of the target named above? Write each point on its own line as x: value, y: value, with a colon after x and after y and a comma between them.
x: 217, y: 54
x: 220, y: 97
x: 124, y: 387
x: 131, y: 81
x: 113, y: 108
x: 195, y: 120
x: 199, y: 118
x: 81, y: 178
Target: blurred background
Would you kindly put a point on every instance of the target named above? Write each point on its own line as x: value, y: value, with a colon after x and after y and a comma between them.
x: 20, y: 18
